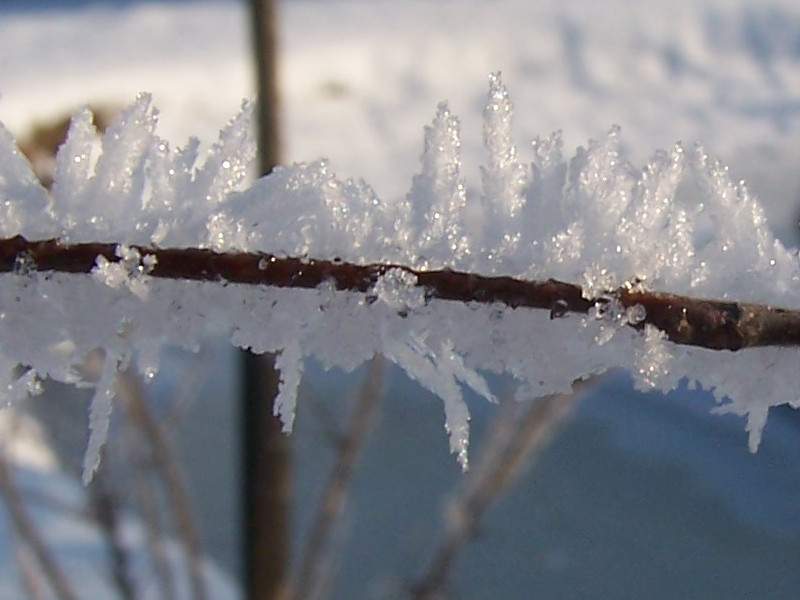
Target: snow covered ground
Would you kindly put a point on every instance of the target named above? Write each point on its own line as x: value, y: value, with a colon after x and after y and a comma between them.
x: 645, y: 496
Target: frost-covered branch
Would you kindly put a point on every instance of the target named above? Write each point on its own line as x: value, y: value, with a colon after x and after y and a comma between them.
x: 712, y: 324
x: 628, y: 254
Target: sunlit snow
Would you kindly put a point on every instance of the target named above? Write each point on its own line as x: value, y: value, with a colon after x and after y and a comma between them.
x: 679, y: 223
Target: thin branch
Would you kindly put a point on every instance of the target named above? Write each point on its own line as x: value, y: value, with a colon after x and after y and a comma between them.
x: 147, y: 497
x: 105, y: 508
x: 129, y: 388
x: 320, y: 547
x: 26, y: 530
x: 713, y: 324
x: 517, y: 434
x: 30, y: 577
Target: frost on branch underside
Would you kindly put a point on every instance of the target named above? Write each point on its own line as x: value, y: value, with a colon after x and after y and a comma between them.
x: 678, y: 224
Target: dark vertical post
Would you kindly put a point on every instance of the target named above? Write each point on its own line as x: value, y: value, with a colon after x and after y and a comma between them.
x: 266, y: 466
x: 265, y: 45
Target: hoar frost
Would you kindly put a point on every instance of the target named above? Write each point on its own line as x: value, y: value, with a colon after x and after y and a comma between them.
x: 678, y: 224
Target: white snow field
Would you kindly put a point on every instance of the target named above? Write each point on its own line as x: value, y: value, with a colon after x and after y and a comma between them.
x: 361, y: 81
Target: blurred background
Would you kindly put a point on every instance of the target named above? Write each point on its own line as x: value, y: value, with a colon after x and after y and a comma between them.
x: 608, y: 493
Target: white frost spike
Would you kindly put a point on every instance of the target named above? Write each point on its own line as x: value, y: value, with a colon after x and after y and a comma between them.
x: 100, y: 417
x: 226, y: 164
x: 290, y: 364
x: 455, y: 364
x: 600, y: 186
x: 438, y: 197
x: 548, y: 156
x: 655, y: 235
x: 735, y: 225
x: 543, y: 212
x: 23, y: 200
x: 73, y: 171
x: 654, y: 362
x: 756, y: 420
x: 118, y: 183
x: 20, y: 388
x: 504, y: 177
x: 168, y: 174
x: 224, y: 169
x: 437, y: 373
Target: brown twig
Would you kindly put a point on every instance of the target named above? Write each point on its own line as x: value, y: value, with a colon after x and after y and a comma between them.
x: 713, y: 324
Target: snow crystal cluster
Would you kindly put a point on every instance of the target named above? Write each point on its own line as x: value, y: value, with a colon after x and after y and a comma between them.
x: 678, y: 224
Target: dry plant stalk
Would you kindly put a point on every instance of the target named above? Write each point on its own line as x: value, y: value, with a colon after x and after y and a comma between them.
x: 518, y: 433
x: 130, y: 391
x: 28, y: 533
x: 313, y: 577
x: 29, y: 574
x: 147, y: 497
x: 105, y: 508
